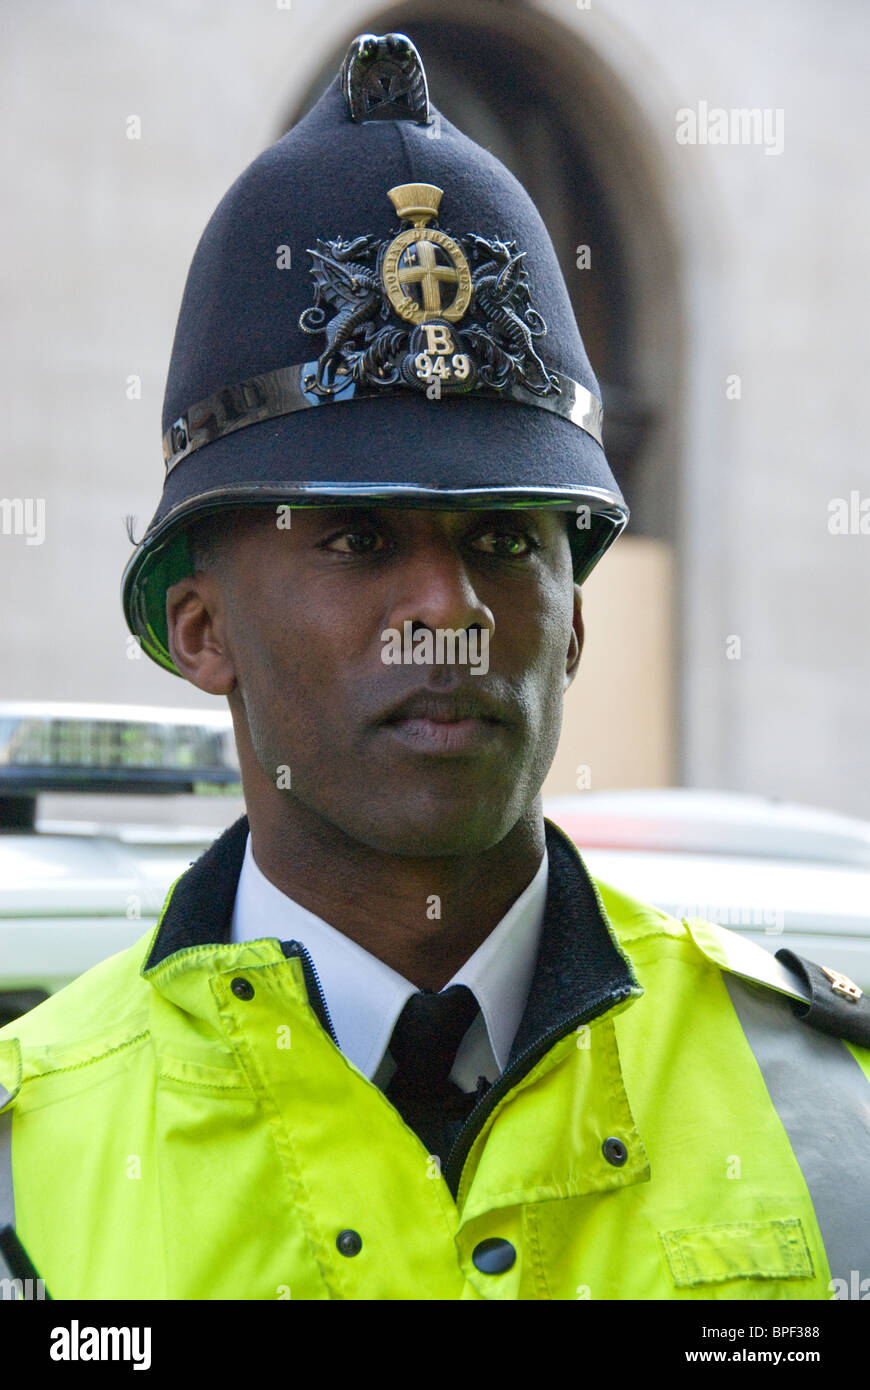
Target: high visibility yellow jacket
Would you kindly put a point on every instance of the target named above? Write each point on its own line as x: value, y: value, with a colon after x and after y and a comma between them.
x: 665, y: 1127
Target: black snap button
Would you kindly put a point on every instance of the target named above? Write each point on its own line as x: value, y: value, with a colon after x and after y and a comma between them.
x: 615, y: 1151
x: 349, y: 1242
x: 494, y: 1256
x: 242, y: 989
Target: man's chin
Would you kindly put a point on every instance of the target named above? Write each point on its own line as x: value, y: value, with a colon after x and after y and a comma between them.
x: 433, y: 827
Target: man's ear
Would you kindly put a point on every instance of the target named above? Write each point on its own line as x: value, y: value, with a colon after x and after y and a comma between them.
x: 197, y: 634
x: 575, y: 647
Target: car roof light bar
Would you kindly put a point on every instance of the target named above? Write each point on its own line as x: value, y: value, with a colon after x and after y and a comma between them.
x: 120, y: 748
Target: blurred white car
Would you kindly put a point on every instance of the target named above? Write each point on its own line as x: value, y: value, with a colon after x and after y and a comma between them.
x: 780, y: 874
x: 102, y: 807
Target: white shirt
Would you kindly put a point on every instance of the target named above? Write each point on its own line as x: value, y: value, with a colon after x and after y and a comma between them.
x: 365, y: 997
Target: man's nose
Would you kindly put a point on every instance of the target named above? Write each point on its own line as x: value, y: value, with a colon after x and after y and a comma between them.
x: 435, y: 590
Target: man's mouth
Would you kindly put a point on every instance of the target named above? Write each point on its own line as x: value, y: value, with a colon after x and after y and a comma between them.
x: 456, y: 722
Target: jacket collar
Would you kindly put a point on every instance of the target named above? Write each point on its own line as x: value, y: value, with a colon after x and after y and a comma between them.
x: 200, y: 907
x: 581, y: 970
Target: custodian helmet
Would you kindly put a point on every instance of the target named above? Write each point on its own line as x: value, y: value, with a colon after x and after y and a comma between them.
x: 374, y: 312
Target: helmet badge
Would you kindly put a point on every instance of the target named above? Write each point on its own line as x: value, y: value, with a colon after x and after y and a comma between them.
x: 424, y: 260
x: 431, y: 282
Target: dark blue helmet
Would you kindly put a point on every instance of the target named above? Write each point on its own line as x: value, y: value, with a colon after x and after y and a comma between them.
x: 374, y: 312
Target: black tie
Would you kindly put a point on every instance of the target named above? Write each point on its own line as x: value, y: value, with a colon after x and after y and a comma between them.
x: 424, y: 1045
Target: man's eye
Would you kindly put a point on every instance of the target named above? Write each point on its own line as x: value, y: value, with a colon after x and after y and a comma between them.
x: 506, y: 544
x: 356, y: 542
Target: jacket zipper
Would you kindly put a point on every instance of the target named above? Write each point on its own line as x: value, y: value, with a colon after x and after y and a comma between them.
x: 313, y: 986
x: 452, y: 1170
x: 524, y: 1063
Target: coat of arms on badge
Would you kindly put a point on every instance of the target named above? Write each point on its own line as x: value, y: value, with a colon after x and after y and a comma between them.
x: 424, y: 308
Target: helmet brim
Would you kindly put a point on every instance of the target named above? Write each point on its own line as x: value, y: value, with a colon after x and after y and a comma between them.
x: 450, y: 454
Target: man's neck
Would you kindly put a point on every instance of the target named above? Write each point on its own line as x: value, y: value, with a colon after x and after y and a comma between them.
x: 422, y: 917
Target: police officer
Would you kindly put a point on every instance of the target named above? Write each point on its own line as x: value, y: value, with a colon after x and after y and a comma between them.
x: 389, y: 1040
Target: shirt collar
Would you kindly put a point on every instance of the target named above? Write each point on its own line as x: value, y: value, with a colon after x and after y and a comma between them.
x: 365, y: 997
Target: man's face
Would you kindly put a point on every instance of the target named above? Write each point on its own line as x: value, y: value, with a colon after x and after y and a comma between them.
x: 407, y: 758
